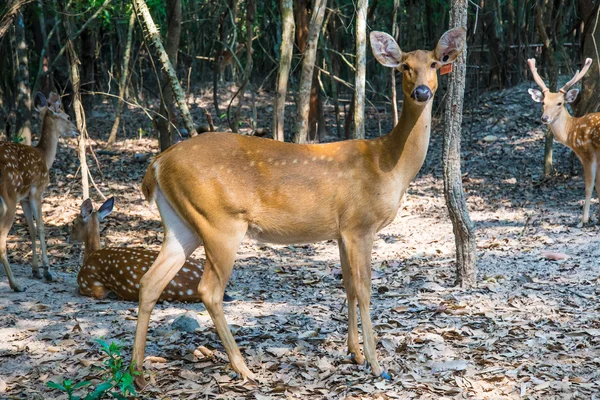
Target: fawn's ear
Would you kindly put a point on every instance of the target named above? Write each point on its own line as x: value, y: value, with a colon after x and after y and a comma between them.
x: 106, y: 208
x: 54, y: 102
x: 536, y: 95
x: 385, y: 49
x: 450, y: 45
x: 86, y: 209
x: 40, y: 101
x: 571, y: 95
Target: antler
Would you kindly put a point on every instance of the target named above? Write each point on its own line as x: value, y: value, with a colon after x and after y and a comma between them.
x: 536, y: 76
x: 578, y: 75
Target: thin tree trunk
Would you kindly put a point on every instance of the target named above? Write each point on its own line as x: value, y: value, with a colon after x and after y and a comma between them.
x: 171, y: 75
x: 123, y: 81
x: 237, y: 113
x: 589, y: 101
x: 361, y: 68
x: 393, y: 70
x: 78, y: 108
x: 23, y: 131
x: 88, y: 60
x: 548, y: 46
x: 285, y: 63
x: 11, y: 11
x: 166, y: 133
x: 306, y: 78
x: 464, y: 234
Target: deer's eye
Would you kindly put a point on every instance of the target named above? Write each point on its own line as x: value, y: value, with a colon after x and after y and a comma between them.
x: 433, y: 65
x: 405, y: 67
x: 559, y: 104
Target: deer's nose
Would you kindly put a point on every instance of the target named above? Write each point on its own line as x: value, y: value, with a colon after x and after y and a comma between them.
x: 421, y: 93
x: 545, y: 118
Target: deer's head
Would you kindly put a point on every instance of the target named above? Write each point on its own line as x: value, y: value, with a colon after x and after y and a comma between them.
x: 51, y: 108
x: 87, y: 223
x: 419, y: 67
x: 553, y: 103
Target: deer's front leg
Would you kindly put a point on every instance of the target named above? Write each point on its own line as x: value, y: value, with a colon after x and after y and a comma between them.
x: 35, y: 268
x: 359, y: 246
x: 36, y: 209
x: 589, y: 173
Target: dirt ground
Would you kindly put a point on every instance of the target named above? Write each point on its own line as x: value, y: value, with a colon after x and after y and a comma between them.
x: 530, y: 329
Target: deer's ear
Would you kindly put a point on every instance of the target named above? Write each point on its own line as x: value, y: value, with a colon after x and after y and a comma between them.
x: 450, y: 45
x: 40, y: 101
x: 385, y: 49
x: 536, y: 95
x: 86, y: 209
x: 106, y: 208
x: 54, y: 101
x: 571, y: 95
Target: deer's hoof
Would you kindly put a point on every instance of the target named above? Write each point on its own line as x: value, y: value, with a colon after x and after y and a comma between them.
x: 50, y: 277
x: 17, y: 288
x: 37, y: 274
x: 358, y: 358
x: 580, y: 224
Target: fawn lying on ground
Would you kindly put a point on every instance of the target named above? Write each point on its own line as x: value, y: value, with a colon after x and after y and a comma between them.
x: 24, y: 177
x: 119, y: 269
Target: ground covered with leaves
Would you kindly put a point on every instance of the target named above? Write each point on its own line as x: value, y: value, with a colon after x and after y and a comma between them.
x: 530, y: 329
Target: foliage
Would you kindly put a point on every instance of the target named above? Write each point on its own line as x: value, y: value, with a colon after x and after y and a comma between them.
x: 117, y: 379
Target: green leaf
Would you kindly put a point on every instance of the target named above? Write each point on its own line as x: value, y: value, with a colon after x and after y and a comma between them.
x: 55, y: 385
x: 82, y: 384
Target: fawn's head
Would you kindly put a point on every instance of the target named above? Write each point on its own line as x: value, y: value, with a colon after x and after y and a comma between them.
x: 553, y: 103
x: 87, y: 223
x: 419, y: 67
x: 51, y: 110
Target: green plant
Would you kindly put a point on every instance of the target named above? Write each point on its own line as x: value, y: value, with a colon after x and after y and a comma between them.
x: 117, y: 379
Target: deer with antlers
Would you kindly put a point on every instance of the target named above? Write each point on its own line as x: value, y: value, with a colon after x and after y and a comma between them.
x: 120, y: 269
x: 24, y: 176
x: 217, y: 188
x: 582, y: 135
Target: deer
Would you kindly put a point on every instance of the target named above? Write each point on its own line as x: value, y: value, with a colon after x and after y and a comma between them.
x: 24, y: 177
x: 580, y: 134
x: 120, y: 269
x: 218, y: 188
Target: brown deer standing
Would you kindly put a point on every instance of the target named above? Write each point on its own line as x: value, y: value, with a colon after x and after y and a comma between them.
x: 120, y: 269
x: 582, y: 135
x: 218, y: 188
x: 24, y: 176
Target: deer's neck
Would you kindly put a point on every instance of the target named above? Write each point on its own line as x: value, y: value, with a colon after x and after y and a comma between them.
x: 561, y: 126
x: 91, y: 244
x: 408, y: 142
x: 48, y: 140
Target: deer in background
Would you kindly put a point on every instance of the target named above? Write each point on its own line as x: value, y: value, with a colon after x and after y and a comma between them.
x: 24, y: 176
x: 218, y: 188
x: 582, y: 135
x: 119, y: 269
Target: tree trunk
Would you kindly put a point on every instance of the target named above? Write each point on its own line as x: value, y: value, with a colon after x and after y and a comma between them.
x: 170, y: 73
x: 166, y: 134
x: 78, y: 108
x: 237, y: 112
x: 285, y: 63
x: 464, y: 234
x: 23, y: 131
x: 393, y: 70
x: 306, y: 78
x: 588, y: 100
x: 11, y: 12
x: 123, y: 81
x: 553, y: 74
x: 88, y: 60
x: 361, y: 65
